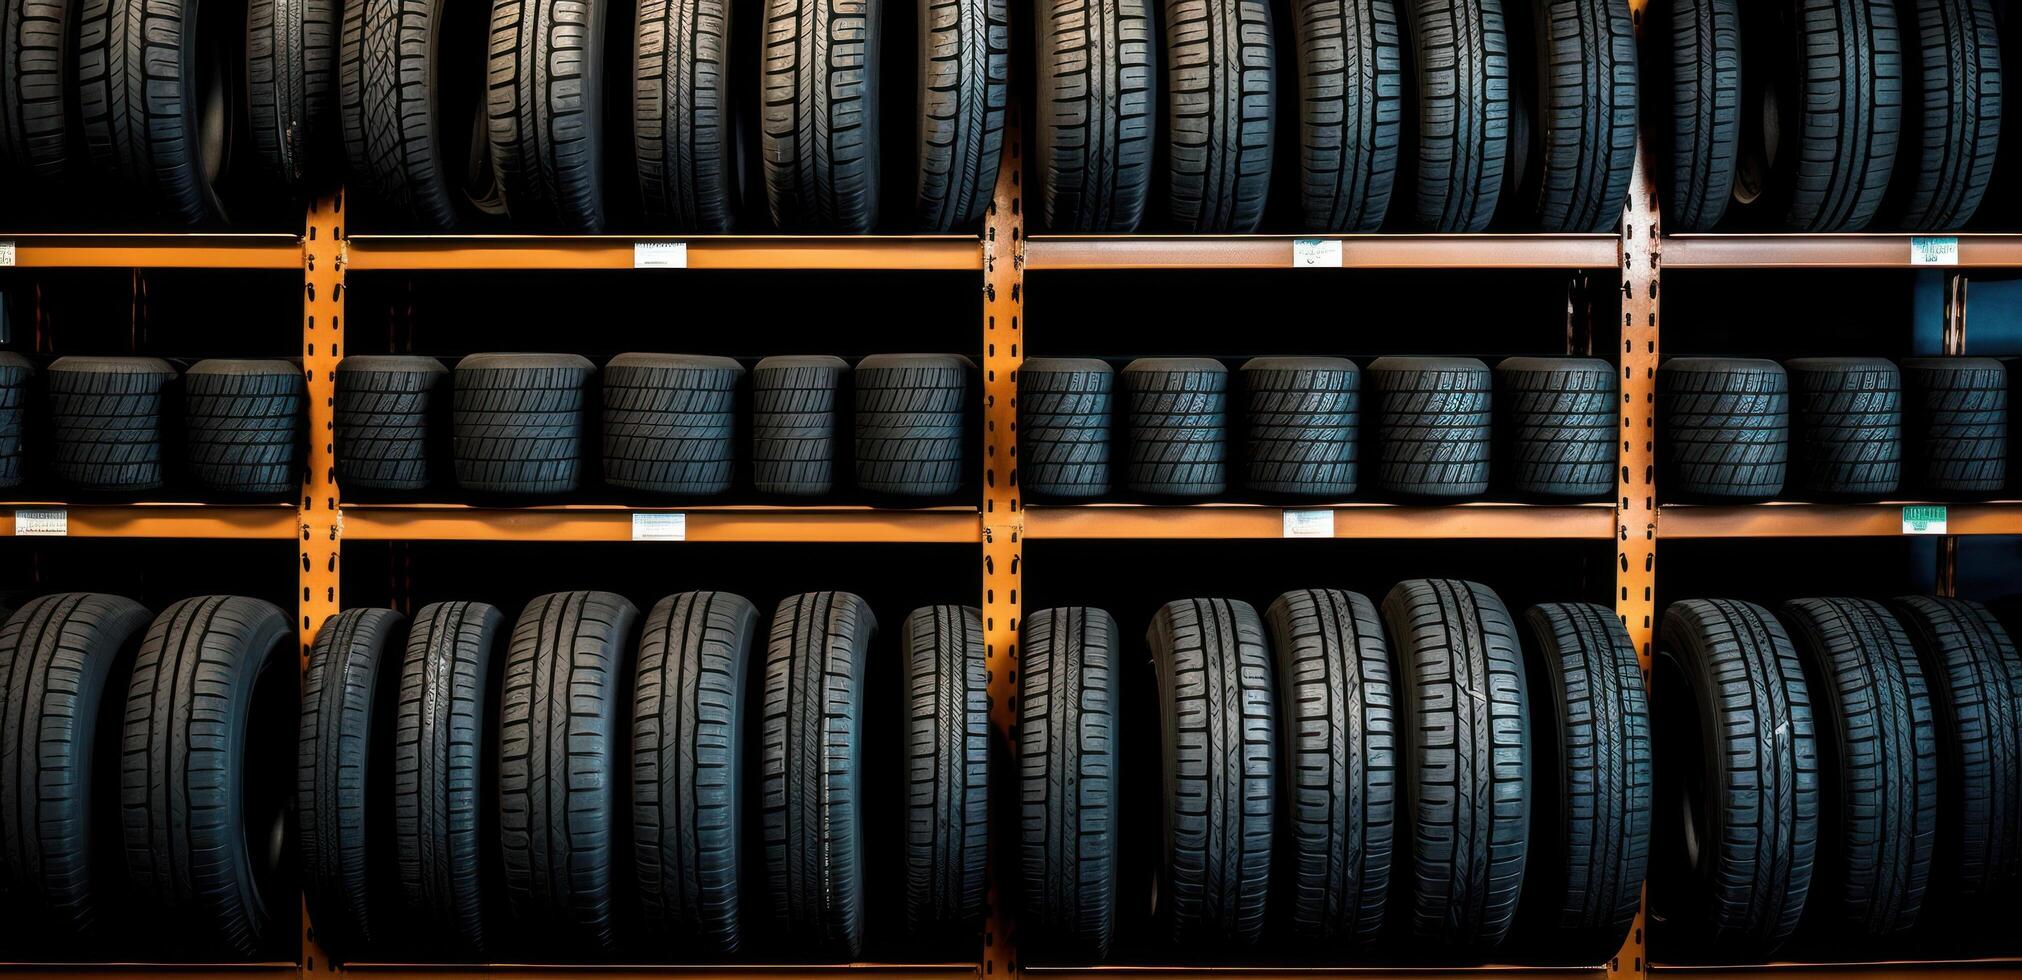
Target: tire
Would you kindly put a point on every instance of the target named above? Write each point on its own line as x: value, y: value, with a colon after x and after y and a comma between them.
x: 1221, y: 100
x: 384, y: 409
x: 106, y: 421
x: 37, y: 40
x: 688, y: 770
x: 811, y: 763
x: 1957, y: 424
x: 1219, y: 763
x: 242, y: 422
x: 1064, y: 426
x: 1951, y: 114
x: 1879, y: 759
x: 558, y: 765
x: 1178, y: 414
x: 1725, y: 426
x: 291, y: 85
x: 1694, y: 67
x: 670, y: 422
x: 444, y: 775
x: 911, y: 413
x: 1465, y: 755
x: 1303, y: 425
x: 1590, y: 817
x: 544, y: 110
x: 60, y: 655
x: 205, y: 772
x: 1728, y: 677
x: 1559, y: 417
x: 947, y: 773
x: 342, y: 784
x: 1069, y: 763
x: 1433, y: 428
x: 1337, y: 716
x: 820, y: 130
x: 793, y: 423
x: 1846, y: 426
x: 519, y: 422
x: 1581, y: 57
x: 148, y: 73
x: 1976, y: 692
x: 964, y: 81
x: 15, y: 375
x: 1096, y: 65
x: 684, y: 114
x: 1351, y: 108
x: 1461, y: 92
x: 410, y: 95
x: 1835, y: 72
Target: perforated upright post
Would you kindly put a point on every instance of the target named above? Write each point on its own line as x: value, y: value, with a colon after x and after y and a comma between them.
x: 320, y: 523
x: 1003, y: 514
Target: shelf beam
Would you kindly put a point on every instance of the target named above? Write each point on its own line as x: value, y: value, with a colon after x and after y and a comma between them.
x: 1308, y: 972
x: 1975, y: 969
x: 269, y: 522
x: 1357, y: 252
x: 372, y: 253
x: 1241, y: 521
x: 453, y: 522
x: 608, y: 971
x: 1879, y: 251
x: 1803, y: 520
x: 38, y: 251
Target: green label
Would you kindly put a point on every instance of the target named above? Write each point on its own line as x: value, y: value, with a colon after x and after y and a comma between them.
x: 1924, y: 519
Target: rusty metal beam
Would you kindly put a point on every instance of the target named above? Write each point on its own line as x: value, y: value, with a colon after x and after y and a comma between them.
x: 1878, y: 251
x: 1787, y: 519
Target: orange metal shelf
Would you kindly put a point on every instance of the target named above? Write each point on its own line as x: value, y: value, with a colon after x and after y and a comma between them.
x: 1879, y: 251
x: 599, y: 971
x: 179, y: 971
x: 165, y: 520
x: 150, y: 251
x: 414, y: 252
x: 1976, y: 969
x: 1357, y: 251
x: 1296, y: 972
x: 1235, y: 521
x: 458, y: 522
x: 1803, y: 520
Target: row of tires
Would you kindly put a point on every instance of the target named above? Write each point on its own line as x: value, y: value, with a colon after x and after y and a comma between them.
x: 1851, y: 427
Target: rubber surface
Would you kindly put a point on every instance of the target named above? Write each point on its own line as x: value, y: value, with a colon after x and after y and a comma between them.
x: 385, y: 408
x: 1064, y: 426
x: 190, y: 774
x: 559, y: 756
x: 962, y: 91
x: 947, y: 766
x: 141, y: 109
x: 1221, y: 97
x: 16, y: 374
x: 405, y: 73
x: 684, y: 114
x: 1878, y: 754
x: 1337, y: 715
x: 1846, y: 417
x: 242, y: 424
x: 1834, y: 71
x: 1458, y: 139
x: 445, y: 808
x: 544, y: 110
x: 64, y: 661
x: 1303, y: 425
x: 1465, y: 754
x: 1725, y: 427
x: 1217, y: 707
x: 1433, y: 431
x: 793, y: 423
x: 1692, y: 106
x: 689, y: 773
x: 36, y: 42
x: 105, y: 418
x: 1096, y: 62
x: 291, y: 85
x: 820, y: 114
x: 519, y: 422
x: 810, y: 765
x: 1069, y: 762
x: 911, y: 412
x: 1350, y: 95
x: 1736, y: 881
x: 1580, y: 59
x: 1558, y: 417
x: 1951, y: 113
x: 342, y: 779
x: 1957, y: 423
x: 1177, y: 411
x: 670, y: 422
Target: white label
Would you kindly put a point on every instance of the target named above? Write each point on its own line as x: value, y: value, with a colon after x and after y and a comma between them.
x: 659, y: 527
x: 659, y: 255
x: 1934, y: 251
x: 1309, y: 524
x: 6, y: 253
x: 41, y: 523
x: 1316, y: 253
x: 1924, y: 519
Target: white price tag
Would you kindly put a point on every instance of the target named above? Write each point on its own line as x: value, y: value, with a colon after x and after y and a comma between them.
x: 1309, y: 524
x: 659, y: 255
x: 41, y: 523
x: 1934, y: 251
x: 1316, y: 253
x: 659, y: 527
x: 1924, y: 519
x: 6, y: 253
